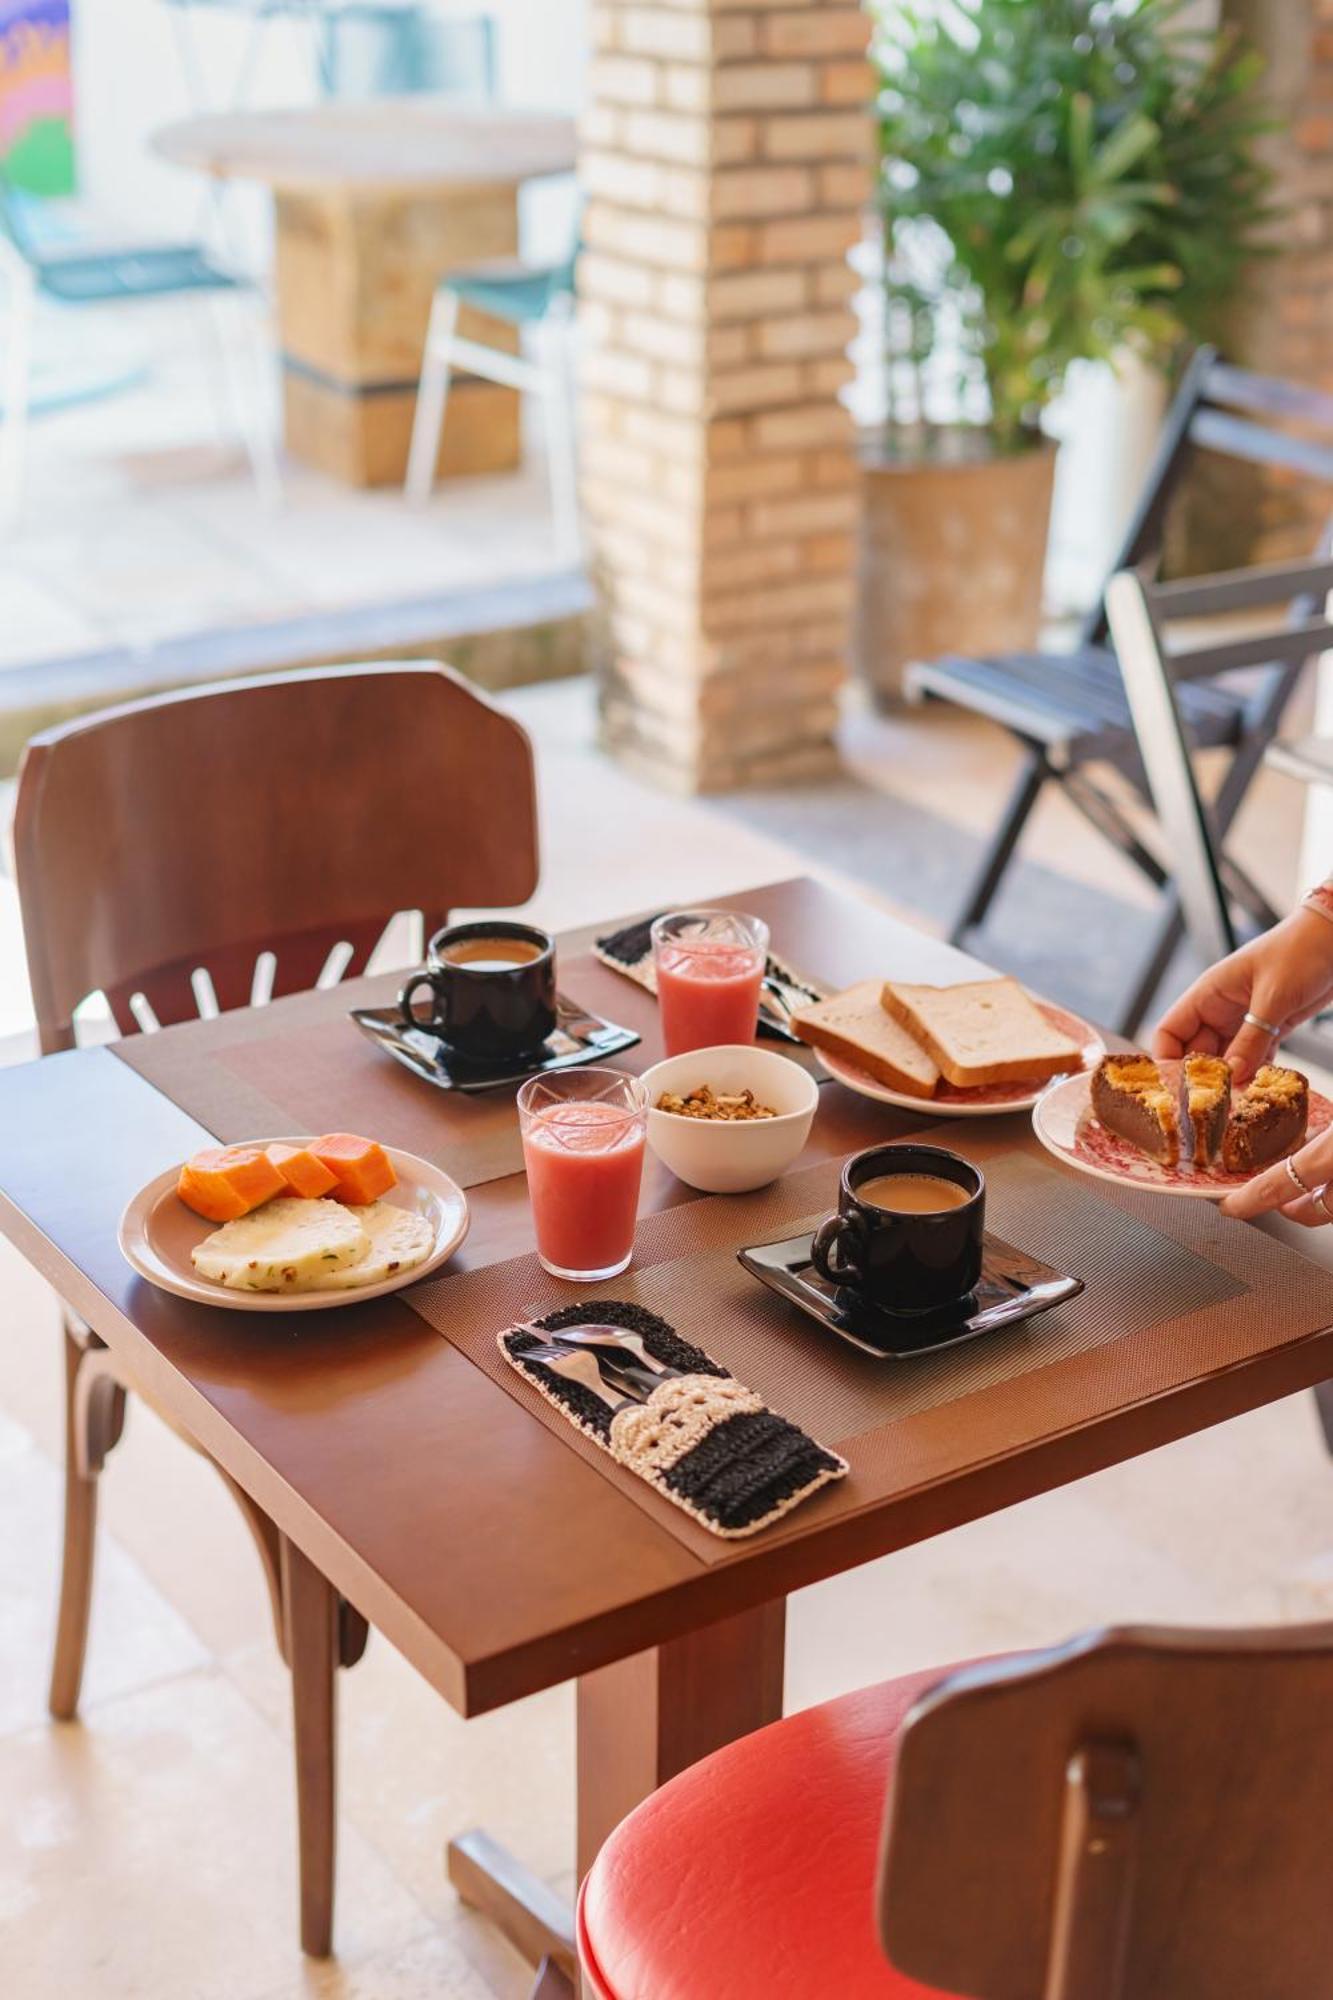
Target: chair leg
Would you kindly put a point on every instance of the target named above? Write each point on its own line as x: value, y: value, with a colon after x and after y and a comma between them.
x: 432, y: 398
x: 986, y: 881
x: 238, y: 328
x: 311, y: 1612
x: 1323, y: 1400
x: 94, y: 1420
x: 562, y: 438
x: 15, y: 391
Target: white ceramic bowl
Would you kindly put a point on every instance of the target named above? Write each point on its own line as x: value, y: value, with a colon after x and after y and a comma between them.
x: 723, y: 1155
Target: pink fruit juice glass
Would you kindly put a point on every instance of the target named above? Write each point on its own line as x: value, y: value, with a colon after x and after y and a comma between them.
x: 583, y: 1135
x: 710, y: 967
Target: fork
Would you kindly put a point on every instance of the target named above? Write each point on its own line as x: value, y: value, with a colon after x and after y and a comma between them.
x: 577, y: 1365
x: 591, y: 1333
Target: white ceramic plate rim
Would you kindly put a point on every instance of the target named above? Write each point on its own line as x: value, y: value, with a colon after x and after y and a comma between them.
x: 1053, y: 1101
x: 452, y: 1221
x: 932, y: 1107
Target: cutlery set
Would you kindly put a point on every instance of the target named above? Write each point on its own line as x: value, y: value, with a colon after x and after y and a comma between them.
x: 611, y: 1362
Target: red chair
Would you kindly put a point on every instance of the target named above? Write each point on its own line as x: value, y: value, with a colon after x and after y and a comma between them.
x: 1138, y: 1815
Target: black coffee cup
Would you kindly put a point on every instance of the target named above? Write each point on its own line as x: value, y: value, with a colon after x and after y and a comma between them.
x: 904, y: 1262
x: 492, y: 1004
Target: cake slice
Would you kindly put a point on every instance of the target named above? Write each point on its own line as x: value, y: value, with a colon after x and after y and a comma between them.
x: 1205, y: 1106
x: 854, y: 1026
x: 1130, y: 1098
x: 983, y: 1032
x: 1268, y: 1120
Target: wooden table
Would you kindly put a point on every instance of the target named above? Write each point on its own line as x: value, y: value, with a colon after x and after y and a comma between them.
x: 469, y: 1533
x: 375, y: 201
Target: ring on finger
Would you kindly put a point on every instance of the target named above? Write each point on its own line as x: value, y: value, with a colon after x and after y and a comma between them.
x: 1293, y: 1175
x: 1258, y: 1021
x: 1320, y: 1199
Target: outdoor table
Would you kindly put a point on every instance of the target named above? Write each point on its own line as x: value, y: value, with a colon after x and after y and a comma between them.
x: 375, y: 201
x: 484, y: 1537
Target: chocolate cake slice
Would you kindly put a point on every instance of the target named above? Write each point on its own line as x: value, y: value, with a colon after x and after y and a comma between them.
x: 1205, y: 1106
x: 1131, y: 1099
x: 1268, y: 1120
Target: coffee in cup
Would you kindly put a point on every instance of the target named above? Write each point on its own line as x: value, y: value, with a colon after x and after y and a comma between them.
x: 909, y: 1230
x: 491, y: 986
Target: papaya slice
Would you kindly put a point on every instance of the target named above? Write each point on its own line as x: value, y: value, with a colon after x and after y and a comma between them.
x: 360, y: 1166
x: 302, y: 1172
x: 224, y: 1182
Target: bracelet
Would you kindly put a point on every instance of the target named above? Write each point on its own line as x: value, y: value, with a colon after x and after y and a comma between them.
x: 1320, y: 900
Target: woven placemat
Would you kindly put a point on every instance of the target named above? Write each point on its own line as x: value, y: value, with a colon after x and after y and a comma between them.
x: 301, y: 1065
x: 1164, y: 1280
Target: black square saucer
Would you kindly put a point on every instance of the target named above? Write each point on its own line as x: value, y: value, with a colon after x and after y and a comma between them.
x: 580, y: 1037
x: 1012, y: 1287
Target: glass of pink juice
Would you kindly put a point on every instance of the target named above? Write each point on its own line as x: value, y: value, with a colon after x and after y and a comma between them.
x: 583, y: 1136
x: 710, y: 968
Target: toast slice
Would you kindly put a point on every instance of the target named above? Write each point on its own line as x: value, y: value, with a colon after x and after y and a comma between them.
x: 853, y: 1025
x: 985, y: 1032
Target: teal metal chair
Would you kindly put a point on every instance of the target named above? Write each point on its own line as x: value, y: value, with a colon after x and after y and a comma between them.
x: 534, y: 298
x: 74, y: 275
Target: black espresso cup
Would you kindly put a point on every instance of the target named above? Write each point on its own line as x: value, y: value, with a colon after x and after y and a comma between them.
x: 905, y: 1260
x: 492, y: 989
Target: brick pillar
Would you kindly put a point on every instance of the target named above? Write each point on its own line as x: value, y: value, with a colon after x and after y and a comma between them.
x: 1283, y: 325
x: 725, y: 164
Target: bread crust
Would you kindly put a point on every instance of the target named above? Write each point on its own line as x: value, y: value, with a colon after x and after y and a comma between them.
x: 814, y: 1027
x: 911, y: 1006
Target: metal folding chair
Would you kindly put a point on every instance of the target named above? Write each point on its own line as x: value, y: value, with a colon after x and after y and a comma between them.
x: 1155, y: 677
x: 1071, y: 712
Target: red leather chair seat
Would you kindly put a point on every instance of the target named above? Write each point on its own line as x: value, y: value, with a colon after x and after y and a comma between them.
x: 753, y: 1873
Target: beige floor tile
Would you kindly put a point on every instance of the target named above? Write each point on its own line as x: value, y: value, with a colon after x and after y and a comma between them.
x: 150, y: 1854
x: 461, y: 1961
x: 138, y: 1637
x: 413, y: 1773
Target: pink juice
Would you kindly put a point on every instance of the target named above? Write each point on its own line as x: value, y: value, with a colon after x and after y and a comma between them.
x: 584, y: 1162
x: 708, y: 994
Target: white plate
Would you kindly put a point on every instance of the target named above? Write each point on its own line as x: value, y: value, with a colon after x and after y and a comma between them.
x: 996, y: 1100
x: 158, y: 1232
x: 1064, y: 1123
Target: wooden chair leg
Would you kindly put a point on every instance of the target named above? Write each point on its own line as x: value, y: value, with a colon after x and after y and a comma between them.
x: 1323, y: 1401
x: 311, y: 1608
x: 94, y: 1420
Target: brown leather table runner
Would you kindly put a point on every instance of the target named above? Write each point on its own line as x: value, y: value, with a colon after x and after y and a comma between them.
x: 1160, y: 1275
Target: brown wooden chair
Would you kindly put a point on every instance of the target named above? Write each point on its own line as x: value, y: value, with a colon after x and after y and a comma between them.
x: 1138, y: 1815
x: 171, y: 842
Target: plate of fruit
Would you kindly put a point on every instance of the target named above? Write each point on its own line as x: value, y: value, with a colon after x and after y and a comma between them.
x: 1180, y: 1128
x: 294, y: 1224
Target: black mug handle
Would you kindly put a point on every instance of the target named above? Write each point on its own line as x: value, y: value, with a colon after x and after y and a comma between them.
x: 835, y: 1232
x: 407, y: 995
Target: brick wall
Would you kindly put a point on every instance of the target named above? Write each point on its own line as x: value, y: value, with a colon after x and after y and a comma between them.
x: 725, y: 161
x: 1229, y: 514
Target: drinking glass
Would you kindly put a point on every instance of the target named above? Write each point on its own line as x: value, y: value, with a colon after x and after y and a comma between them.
x: 583, y: 1136
x: 710, y: 968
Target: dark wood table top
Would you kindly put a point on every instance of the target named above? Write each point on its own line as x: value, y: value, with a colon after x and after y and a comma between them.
x: 495, y: 1558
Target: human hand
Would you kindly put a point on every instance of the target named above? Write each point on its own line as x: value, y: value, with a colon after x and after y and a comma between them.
x: 1284, y: 977
x: 1295, y: 1186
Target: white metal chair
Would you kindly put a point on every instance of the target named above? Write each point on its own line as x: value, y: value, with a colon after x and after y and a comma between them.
x: 539, y: 298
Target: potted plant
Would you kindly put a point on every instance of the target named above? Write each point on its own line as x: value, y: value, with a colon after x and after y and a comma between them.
x: 1060, y: 180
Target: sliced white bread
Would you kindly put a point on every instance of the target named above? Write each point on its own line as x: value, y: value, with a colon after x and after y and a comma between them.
x: 854, y: 1025
x: 985, y: 1032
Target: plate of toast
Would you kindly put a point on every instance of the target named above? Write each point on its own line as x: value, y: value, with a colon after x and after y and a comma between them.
x: 1181, y: 1128
x: 977, y: 1049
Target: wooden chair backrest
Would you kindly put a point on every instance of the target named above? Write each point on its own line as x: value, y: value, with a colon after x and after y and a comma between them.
x: 1140, y: 612
x: 1231, y: 411
x: 290, y: 813
x: 1139, y: 1815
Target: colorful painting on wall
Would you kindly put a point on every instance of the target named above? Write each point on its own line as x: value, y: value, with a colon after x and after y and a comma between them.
x: 36, y: 96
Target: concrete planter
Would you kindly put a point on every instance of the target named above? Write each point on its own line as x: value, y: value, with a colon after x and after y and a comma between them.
x: 952, y: 552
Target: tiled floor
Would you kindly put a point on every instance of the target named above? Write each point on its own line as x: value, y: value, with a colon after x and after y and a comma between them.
x: 147, y: 1852
x: 139, y: 520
